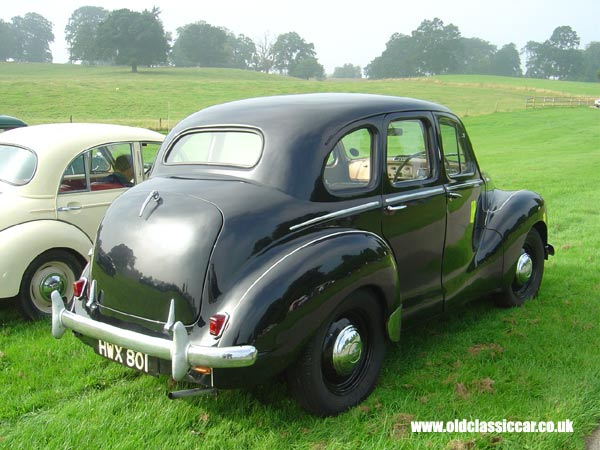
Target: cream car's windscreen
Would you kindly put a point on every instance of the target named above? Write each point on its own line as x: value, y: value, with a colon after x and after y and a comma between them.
x: 17, y: 165
x: 227, y: 148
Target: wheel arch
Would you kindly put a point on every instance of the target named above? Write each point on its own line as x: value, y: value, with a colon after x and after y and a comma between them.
x: 280, y: 311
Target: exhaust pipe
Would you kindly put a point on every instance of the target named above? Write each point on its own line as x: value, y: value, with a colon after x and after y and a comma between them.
x: 191, y: 393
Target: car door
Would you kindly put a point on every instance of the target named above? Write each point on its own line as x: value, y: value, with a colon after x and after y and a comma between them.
x: 92, y: 181
x: 414, y: 219
x: 465, y: 190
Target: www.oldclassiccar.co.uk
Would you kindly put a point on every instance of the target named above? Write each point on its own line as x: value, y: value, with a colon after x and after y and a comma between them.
x: 487, y: 426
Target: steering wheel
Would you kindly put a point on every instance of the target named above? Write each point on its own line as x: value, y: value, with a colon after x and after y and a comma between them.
x: 401, y: 166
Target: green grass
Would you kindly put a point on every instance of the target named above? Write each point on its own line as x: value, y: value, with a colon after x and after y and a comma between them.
x: 537, y: 362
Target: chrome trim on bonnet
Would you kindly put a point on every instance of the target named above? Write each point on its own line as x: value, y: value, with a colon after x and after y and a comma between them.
x: 180, y: 351
x: 336, y: 214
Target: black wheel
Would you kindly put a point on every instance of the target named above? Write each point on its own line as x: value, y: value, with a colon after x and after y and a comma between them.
x: 50, y: 271
x: 529, y: 271
x: 339, y: 367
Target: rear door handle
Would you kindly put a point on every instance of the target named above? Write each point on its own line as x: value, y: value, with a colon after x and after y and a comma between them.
x: 395, y: 208
x: 453, y: 195
x: 68, y: 208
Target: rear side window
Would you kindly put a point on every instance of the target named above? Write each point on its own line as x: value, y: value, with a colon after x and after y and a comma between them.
x: 222, y: 147
x: 349, y: 164
x: 17, y: 165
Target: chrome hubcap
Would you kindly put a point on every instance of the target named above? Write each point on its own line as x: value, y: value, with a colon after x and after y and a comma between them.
x: 51, y: 283
x: 524, y: 269
x: 347, y: 350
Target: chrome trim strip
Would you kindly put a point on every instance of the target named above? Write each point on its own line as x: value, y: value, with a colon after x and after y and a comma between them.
x: 180, y: 351
x: 465, y: 184
x: 336, y: 214
x: 415, y: 195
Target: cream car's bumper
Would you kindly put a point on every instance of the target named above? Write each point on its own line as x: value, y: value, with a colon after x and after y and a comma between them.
x: 182, y: 354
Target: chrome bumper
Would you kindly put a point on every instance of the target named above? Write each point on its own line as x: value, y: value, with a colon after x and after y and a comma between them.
x: 182, y: 354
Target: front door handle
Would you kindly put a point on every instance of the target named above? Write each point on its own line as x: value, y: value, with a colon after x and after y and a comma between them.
x: 453, y: 195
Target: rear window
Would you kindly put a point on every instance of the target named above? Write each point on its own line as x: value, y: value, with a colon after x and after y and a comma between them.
x: 229, y: 148
x: 17, y: 165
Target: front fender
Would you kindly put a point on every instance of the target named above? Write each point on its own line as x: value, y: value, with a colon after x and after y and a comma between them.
x: 512, y: 215
x: 279, y: 309
x: 21, y: 244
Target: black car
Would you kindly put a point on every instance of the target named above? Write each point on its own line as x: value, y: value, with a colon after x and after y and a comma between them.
x: 294, y: 234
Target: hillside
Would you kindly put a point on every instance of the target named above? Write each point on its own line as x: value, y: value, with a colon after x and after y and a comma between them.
x: 160, y: 97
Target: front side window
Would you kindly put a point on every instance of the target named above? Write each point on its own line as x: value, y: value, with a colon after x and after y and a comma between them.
x: 407, y: 155
x: 17, y: 165
x: 105, y: 167
x: 349, y: 164
x: 221, y: 147
x: 457, y: 159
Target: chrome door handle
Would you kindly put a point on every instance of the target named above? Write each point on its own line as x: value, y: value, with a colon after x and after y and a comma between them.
x: 453, y: 195
x: 68, y: 208
x: 395, y: 208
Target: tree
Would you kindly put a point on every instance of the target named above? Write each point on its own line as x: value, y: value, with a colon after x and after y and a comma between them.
x: 475, y: 56
x: 347, y: 71
x: 289, y: 50
x: 591, y: 57
x: 399, y: 59
x: 506, y: 62
x: 81, y: 32
x: 7, y: 41
x: 132, y: 38
x: 200, y: 45
x: 307, y: 67
x: 242, y: 51
x: 263, y: 60
x: 557, y: 57
x: 33, y: 35
x: 439, y: 47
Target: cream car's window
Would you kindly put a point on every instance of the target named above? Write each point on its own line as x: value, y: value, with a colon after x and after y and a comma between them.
x: 229, y: 148
x: 149, y: 152
x: 17, y: 165
x: 102, y: 168
x: 407, y: 155
x: 348, y: 165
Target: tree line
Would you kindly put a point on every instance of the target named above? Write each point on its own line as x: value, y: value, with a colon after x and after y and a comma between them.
x: 96, y: 35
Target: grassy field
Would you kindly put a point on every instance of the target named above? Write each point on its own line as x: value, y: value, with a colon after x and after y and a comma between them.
x: 538, y: 362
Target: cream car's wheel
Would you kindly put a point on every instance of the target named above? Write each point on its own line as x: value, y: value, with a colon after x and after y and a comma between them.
x: 55, y: 270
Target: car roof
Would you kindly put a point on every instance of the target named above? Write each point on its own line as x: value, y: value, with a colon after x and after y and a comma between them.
x: 56, y: 145
x: 9, y: 122
x: 298, y: 131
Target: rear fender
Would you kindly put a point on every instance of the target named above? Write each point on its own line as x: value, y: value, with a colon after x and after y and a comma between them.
x: 21, y: 244
x: 279, y: 307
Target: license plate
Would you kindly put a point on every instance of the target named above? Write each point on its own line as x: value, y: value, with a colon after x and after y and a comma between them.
x: 129, y: 358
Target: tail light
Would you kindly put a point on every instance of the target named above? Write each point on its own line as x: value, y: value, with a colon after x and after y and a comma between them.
x: 79, y: 287
x: 217, y: 324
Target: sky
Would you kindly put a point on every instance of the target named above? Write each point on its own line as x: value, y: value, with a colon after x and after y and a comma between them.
x: 343, y: 31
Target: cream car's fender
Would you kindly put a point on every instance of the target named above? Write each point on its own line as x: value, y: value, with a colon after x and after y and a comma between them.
x: 21, y: 244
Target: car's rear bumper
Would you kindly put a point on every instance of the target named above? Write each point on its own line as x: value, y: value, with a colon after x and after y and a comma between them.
x: 182, y: 354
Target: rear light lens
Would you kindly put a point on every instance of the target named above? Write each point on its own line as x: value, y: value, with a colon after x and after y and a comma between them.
x: 217, y: 324
x: 79, y: 287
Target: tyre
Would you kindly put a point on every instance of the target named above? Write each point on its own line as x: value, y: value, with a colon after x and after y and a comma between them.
x: 528, y: 275
x: 50, y: 271
x: 339, y: 366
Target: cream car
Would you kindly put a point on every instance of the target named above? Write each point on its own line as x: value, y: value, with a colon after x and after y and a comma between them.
x: 56, y: 181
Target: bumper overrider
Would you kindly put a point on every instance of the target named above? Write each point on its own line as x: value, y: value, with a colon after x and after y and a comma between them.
x: 180, y: 351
